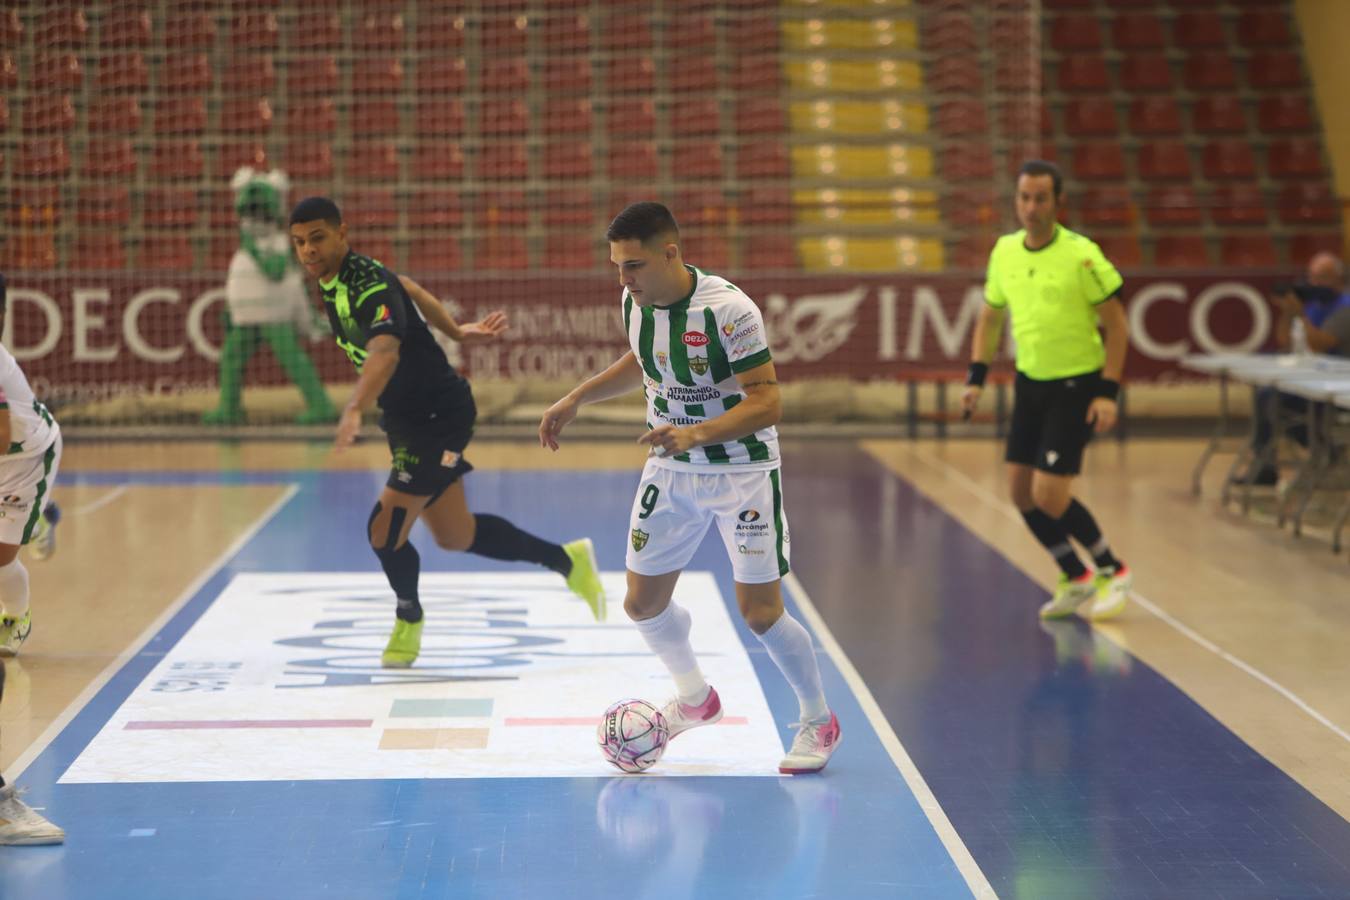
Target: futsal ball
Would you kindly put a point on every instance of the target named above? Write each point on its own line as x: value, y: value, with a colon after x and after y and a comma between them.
x: 632, y: 735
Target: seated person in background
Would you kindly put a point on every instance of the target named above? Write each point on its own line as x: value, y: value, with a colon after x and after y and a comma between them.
x: 1314, y: 317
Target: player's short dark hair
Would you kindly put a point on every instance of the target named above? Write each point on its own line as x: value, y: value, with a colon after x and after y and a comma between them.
x: 312, y: 209
x: 1042, y: 167
x: 643, y: 221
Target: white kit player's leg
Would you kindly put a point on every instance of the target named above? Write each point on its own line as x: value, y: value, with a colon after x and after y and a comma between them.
x: 15, y: 619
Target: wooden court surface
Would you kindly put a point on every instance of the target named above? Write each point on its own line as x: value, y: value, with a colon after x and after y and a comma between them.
x: 1248, y: 621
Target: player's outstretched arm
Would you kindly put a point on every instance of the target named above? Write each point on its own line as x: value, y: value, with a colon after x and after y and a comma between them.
x: 489, y: 329
x: 624, y: 376
x: 380, y: 363
x: 988, y: 332
x: 762, y: 407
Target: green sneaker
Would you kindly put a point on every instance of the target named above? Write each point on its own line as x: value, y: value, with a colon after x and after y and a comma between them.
x: 13, y: 632
x: 585, y: 578
x: 404, y: 645
x: 1069, y: 595
x: 1113, y: 593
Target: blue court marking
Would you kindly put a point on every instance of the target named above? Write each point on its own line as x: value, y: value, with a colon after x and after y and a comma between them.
x: 855, y: 831
x: 1068, y: 768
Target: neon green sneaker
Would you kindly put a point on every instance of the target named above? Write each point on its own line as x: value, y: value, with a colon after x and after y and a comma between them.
x: 1069, y: 595
x: 585, y: 578
x: 13, y: 632
x: 1113, y: 593
x: 404, y: 645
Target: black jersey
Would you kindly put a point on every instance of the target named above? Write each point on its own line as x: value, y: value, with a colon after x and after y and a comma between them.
x: 364, y: 300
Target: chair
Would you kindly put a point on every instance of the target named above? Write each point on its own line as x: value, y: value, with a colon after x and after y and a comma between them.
x: 439, y: 32
x: 9, y: 72
x: 763, y: 159
x: 370, y: 208
x: 1228, y: 159
x: 103, y: 205
x: 126, y: 27
x: 315, y: 117
x: 567, y: 160
x: 46, y: 114
x: 123, y: 72
x: 504, y: 34
x: 373, y: 161
x: 51, y: 71
x: 1145, y: 73
x: 1089, y: 116
x: 29, y: 251
x: 255, y: 31
x: 1198, y: 28
x: 497, y: 209
x: 180, y: 115
x: 506, y: 75
x: 754, y: 33
x: 1238, y: 205
x: 1218, y: 115
x: 1173, y: 205
x: 566, y: 75
x: 34, y: 206
x: 1294, y: 158
x: 567, y: 116
x: 566, y: 34
x: 697, y: 74
x: 692, y: 32
x: 947, y: 33
x: 509, y: 252
x: 376, y: 117
x: 232, y: 155
x: 1304, y: 245
x: 756, y: 73
x: 954, y: 75
x: 438, y: 161
x: 177, y: 161
x: 185, y: 73
x: 98, y: 251
x: 696, y: 117
x: 378, y: 75
x: 190, y: 30
x: 61, y: 26
x: 959, y: 118
x: 759, y: 116
x: 770, y: 252
x: 171, y: 252
x: 439, y: 117
x: 1079, y: 74
x: 306, y: 159
x: 1138, y: 31
x: 703, y: 207
x: 1253, y: 251
x: 316, y: 31
x: 968, y: 160
x: 1181, y: 251
x: 1210, y: 71
x: 569, y: 207
x: 571, y: 252
x: 1273, y: 70
x: 1285, y: 113
x: 1099, y: 161
x: 109, y: 159
x: 1121, y: 248
x: 380, y: 31
x: 631, y: 118
x: 631, y: 75
x: 169, y: 208
x: 503, y: 160
x: 11, y: 28
x: 114, y: 114
x: 1105, y: 206
x: 632, y: 32
x: 313, y: 76
x: 1155, y: 115
x: 256, y: 75
x: 503, y: 117
x: 1164, y: 161
x: 1069, y: 34
x: 434, y: 208
x: 1264, y: 28
x: 435, y: 253
x: 633, y: 160
x: 1310, y: 203
x: 441, y: 75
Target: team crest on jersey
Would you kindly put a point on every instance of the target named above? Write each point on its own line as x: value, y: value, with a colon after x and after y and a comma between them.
x: 698, y: 365
x: 728, y: 328
x: 695, y: 338
x: 639, y: 539
x: 661, y: 359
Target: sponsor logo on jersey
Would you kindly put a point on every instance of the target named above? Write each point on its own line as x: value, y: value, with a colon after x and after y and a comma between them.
x: 449, y: 459
x: 695, y: 338
x: 749, y: 515
x: 381, y: 314
x: 698, y: 365
x: 745, y: 332
x: 639, y: 539
x: 746, y: 551
x: 728, y: 328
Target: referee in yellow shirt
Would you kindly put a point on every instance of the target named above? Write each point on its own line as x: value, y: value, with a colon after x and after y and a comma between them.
x: 1059, y: 288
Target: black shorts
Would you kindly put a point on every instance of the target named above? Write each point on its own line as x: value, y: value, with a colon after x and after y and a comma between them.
x: 1049, y: 422
x: 427, y: 455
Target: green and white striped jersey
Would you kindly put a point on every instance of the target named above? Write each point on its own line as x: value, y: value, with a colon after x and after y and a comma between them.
x: 690, y: 353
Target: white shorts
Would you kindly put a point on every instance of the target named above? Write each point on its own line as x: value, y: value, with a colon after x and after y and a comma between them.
x: 673, y: 509
x: 25, y: 489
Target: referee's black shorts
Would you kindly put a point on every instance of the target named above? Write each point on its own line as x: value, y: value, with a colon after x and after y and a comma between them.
x: 427, y: 453
x: 1049, y: 429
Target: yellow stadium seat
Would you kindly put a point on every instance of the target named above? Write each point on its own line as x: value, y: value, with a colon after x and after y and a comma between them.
x: 866, y: 206
x: 844, y: 162
x: 850, y: 34
x: 870, y: 254
x: 853, y: 75
x: 860, y: 117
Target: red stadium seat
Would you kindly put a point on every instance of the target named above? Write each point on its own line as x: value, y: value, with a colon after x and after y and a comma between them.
x: 257, y: 76
x: 765, y: 205
x: 378, y: 75
x: 108, y: 205
x: 1275, y: 70
x: 439, y: 32
x: 1098, y: 161
x: 316, y: 31
x: 568, y: 116
x: 304, y: 159
x: 380, y: 31
x: 51, y: 71
x: 1138, y: 31
x: 180, y: 115
x: 370, y: 208
x: 1228, y: 159
x: 1078, y: 74
x: 115, y: 115
x: 566, y: 75
x: 1089, y: 116
x: 759, y: 115
x: 438, y: 160
x: 1285, y: 113
x: 504, y: 34
x: 1202, y: 28
x: 255, y: 31
x: 702, y: 207
x: 435, y: 253
x: 567, y: 160
x: 232, y: 156
x: 1308, y: 203
x: 497, y: 209
x: 1155, y: 115
x: 1218, y: 115
x: 503, y: 117
x: 950, y: 33
x: 503, y: 160
x: 380, y: 117
x: 46, y: 114
x: 770, y: 251
x: 123, y: 72
x: 754, y: 33
x: 573, y: 252
x: 60, y: 26
x: 692, y: 33
x: 11, y: 28
x: 757, y: 72
x: 967, y: 160
x: 569, y: 207
x: 239, y: 116
x: 434, y: 208
x: 35, y: 205
x: 1294, y: 158
x: 1105, y: 206
x: 317, y: 117
x: 177, y: 161
x: 1069, y: 34
x: 1303, y: 246
x: 709, y: 249
x: 109, y: 159
x: 97, y: 251
x: 1121, y: 248
x: 1164, y: 161
x: 696, y: 117
x: 169, y: 208
x: 1019, y: 118
x: 378, y: 245
x: 9, y: 72
x: 1248, y: 251
x: 966, y: 207
x: 1210, y: 71
x: 632, y: 33
x: 631, y: 118
x: 1181, y: 251
x: 763, y: 159
x: 507, y: 75
x: 631, y: 75
x: 313, y: 76
x: 190, y: 31
x: 126, y: 27
x: 1145, y: 73
x: 441, y: 75
x: 1264, y: 28
x: 633, y: 160
x: 29, y: 251
x: 501, y: 251
x: 4, y: 119
x: 1238, y: 204
x: 185, y: 72
x: 373, y: 161
x: 954, y: 75
x: 1173, y: 205
x: 566, y: 34
x: 959, y: 118
x: 440, y: 117
x: 171, y: 252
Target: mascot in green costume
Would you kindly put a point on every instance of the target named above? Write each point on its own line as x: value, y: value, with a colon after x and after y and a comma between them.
x: 266, y: 301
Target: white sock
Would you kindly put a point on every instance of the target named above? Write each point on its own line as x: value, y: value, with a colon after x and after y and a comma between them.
x: 667, y: 635
x: 789, y: 646
x: 14, y: 589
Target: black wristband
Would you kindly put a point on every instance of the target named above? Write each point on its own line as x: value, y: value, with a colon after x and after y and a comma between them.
x: 1108, y: 389
x: 975, y: 375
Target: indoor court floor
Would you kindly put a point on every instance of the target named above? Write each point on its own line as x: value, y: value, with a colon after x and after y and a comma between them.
x: 201, y: 705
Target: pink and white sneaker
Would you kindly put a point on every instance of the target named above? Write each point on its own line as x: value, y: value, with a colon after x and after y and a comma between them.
x: 682, y: 717
x: 811, y: 748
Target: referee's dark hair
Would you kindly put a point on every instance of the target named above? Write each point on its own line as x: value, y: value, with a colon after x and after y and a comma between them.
x: 644, y: 221
x: 312, y: 209
x: 1041, y: 167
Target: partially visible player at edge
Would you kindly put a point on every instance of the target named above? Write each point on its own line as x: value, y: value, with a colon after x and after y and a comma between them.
x: 428, y: 414
x: 32, y: 454
x: 700, y: 353
x: 20, y: 824
x: 1058, y: 286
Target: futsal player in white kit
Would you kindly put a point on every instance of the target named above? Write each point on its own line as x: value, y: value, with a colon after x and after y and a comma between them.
x: 700, y: 353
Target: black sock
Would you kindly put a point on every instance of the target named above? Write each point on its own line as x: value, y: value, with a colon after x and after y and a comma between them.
x: 1052, y: 536
x: 496, y: 538
x: 401, y: 567
x: 1079, y: 525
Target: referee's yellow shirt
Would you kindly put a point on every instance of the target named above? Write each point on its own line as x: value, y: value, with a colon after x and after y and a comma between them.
x: 1052, y: 294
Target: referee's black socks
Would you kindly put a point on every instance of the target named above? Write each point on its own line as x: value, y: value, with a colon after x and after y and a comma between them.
x: 1079, y: 525
x: 496, y: 538
x: 1050, y: 532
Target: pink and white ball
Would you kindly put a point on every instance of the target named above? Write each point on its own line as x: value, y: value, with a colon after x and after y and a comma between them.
x: 632, y: 735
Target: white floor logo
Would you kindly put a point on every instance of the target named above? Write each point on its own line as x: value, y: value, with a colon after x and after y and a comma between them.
x: 512, y: 678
